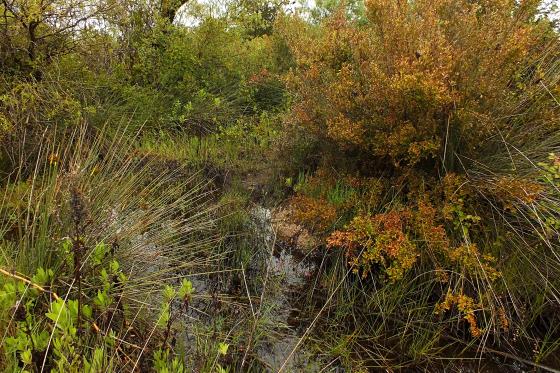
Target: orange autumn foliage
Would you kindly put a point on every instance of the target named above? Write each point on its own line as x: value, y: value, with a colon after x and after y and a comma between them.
x: 377, y: 240
x: 316, y: 214
x: 418, y: 79
x: 466, y: 306
x: 395, y: 239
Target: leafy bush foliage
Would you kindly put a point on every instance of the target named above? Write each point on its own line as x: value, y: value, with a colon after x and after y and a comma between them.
x: 420, y: 81
x: 378, y: 240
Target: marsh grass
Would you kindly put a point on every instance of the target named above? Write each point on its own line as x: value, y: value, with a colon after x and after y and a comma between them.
x: 159, y: 224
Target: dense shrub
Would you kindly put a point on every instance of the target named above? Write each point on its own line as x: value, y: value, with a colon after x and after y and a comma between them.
x: 421, y: 81
x: 450, y: 105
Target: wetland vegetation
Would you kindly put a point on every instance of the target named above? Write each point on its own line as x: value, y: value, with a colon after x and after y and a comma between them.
x: 276, y: 186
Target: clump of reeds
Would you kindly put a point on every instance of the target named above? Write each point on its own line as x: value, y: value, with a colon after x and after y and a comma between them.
x: 111, y: 229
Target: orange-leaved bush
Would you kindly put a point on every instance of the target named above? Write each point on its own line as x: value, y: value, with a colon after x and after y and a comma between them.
x: 421, y: 80
x: 377, y: 240
x: 394, y: 240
